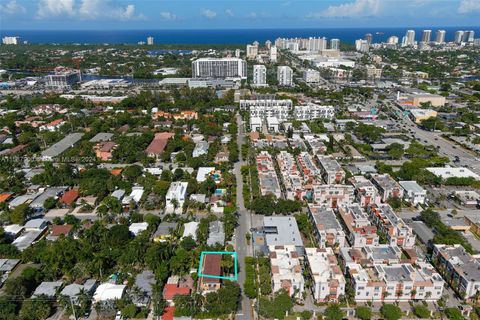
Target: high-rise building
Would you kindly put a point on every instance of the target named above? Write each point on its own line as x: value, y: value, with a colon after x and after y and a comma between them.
x: 268, y: 44
x: 273, y: 54
x: 316, y: 44
x: 219, y: 68
x: 150, y: 40
x: 252, y: 51
x: 335, y: 44
x: 468, y: 36
x: 10, y: 40
x: 285, y: 76
x: 392, y: 40
x: 410, y: 38
x: 369, y: 38
x: 361, y: 45
x: 426, y: 35
x: 458, y: 36
x: 259, y: 75
x: 440, y: 37
x: 237, y: 53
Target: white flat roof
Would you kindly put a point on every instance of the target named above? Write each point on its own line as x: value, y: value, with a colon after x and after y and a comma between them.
x: 454, y: 172
x: 109, y: 291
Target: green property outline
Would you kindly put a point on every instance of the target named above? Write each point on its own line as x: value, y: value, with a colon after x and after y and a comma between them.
x: 203, y: 253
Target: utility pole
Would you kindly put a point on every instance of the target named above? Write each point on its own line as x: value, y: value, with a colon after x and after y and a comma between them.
x: 73, y: 309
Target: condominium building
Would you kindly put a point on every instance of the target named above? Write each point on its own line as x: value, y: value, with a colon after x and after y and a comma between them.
x: 267, y: 176
x: 264, y: 107
x: 10, y: 40
x: 391, y: 226
x: 252, y: 51
x: 63, y: 79
x: 335, y: 44
x: 311, y: 76
x: 440, y: 36
x: 312, y: 111
x: 365, y: 191
x: 460, y: 269
x: 395, y: 282
x: 273, y: 54
x: 259, y: 75
x: 426, y: 35
x: 362, y: 45
x: 458, y: 36
x: 332, y: 172
x: 410, y: 38
x: 328, y: 280
x: 387, y: 187
x: 308, y: 168
x: 219, y: 68
x: 333, y: 195
x: 285, y: 76
x: 150, y: 41
x: 327, y: 229
x: 291, y: 178
x: 360, y: 232
x: 286, y: 270
x: 369, y: 256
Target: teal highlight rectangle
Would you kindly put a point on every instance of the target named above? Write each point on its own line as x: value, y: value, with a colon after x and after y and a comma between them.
x: 203, y: 253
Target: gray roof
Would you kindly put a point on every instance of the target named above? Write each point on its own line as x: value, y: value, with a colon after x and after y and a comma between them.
x: 383, y: 252
x: 48, y: 289
x: 281, y: 231
x: 216, y: 233
x: 25, y: 240
x: 7, y: 265
x: 48, y: 193
x: 61, y: 146
x: 325, y: 217
x: 424, y: 233
x: 35, y: 224
x: 145, y: 281
x: 164, y: 228
x: 411, y: 186
x: 102, y: 136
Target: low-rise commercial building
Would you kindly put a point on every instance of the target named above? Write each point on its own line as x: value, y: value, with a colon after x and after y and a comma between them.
x: 418, y: 115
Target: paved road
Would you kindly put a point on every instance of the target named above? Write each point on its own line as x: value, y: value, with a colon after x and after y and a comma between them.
x: 445, y: 147
x: 244, y: 221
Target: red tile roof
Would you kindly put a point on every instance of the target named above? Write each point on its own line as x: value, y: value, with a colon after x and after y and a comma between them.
x: 159, y: 143
x: 5, y: 196
x: 168, y: 313
x: 116, y: 172
x: 61, y: 229
x: 170, y: 290
x: 69, y: 197
x: 212, y: 267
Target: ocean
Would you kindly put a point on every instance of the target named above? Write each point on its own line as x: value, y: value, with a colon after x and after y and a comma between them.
x: 224, y: 36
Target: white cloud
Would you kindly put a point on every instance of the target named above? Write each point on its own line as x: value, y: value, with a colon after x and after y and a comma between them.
x: 12, y: 7
x: 357, y: 8
x: 252, y: 15
x: 229, y: 13
x: 166, y: 15
x: 87, y: 10
x: 49, y: 8
x: 469, y: 6
x: 209, y: 14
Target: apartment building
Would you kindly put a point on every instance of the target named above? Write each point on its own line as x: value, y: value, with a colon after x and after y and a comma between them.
x: 259, y: 75
x: 327, y: 229
x: 285, y: 76
x: 264, y: 108
x: 391, y: 226
x: 267, y: 176
x: 387, y: 187
x: 371, y: 255
x: 333, y: 195
x: 395, y: 282
x: 413, y: 192
x: 360, y: 232
x: 291, y: 177
x: 461, y: 270
x: 286, y: 270
x: 365, y: 191
x: 219, y: 68
x: 332, y: 172
x: 328, y: 280
x: 311, y: 76
x: 312, y: 111
x: 308, y: 168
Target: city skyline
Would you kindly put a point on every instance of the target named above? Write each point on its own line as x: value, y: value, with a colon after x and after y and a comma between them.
x: 169, y: 14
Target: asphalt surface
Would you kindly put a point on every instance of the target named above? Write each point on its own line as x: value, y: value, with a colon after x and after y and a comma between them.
x: 244, y: 224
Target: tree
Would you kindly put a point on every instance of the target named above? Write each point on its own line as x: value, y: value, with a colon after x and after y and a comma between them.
x: 333, y: 312
x: 454, y: 314
x: 20, y: 214
x: 432, y: 123
x: 391, y: 312
x: 276, y: 307
x: 395, y: 150
x: 35, y: 309
x: 306, y: 315
x: 421, y: 311
x: 49, y: 203
x: 363, y: 313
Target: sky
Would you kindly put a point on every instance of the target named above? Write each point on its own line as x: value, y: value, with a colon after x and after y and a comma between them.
x: 234, y: 14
